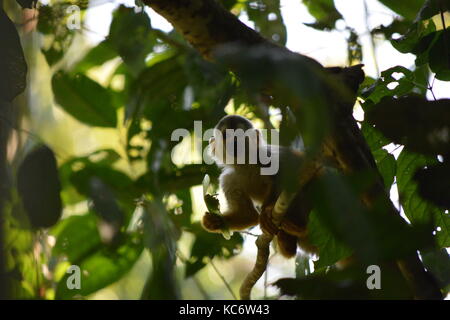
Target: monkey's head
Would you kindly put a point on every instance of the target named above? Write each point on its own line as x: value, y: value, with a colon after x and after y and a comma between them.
x: 235, y: 141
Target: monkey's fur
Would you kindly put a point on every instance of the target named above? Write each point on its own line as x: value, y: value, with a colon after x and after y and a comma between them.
x: 245, y: 189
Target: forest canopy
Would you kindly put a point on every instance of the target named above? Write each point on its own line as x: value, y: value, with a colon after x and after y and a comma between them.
x: 92, y: 177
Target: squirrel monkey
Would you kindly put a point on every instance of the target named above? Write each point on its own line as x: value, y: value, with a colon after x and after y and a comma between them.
x: 243, y: 154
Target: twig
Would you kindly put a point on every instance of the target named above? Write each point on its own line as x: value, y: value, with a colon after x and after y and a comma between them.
x: 227, y: 285
x: 248, y: 233
x: 197, y: 282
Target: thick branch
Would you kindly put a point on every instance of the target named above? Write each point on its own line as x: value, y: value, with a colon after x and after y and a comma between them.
x: 205, y: 24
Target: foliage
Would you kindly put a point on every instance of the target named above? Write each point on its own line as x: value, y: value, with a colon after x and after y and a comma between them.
x: 137, y: 198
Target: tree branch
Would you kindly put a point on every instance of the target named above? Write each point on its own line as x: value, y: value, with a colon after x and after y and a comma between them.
x: 263, y: 245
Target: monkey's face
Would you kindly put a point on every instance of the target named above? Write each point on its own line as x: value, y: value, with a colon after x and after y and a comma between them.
x: 235, y: 141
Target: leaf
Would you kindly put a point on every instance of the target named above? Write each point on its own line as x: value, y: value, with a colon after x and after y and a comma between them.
x: 100, y: 157
x: 27, y: 3
x: 97, y: 56
x: 432, y: 8
x: 374, y: 234
x: 211, y: 201
x: 53, y: 25
x: 161, y: 279
x: 373, y: 137
x: 105, y: 205
x: 120, y: 183
x: 420, y: 125
x: 182, y: 212
x: 380, y: 88
x: 84, y: 99
x: 209, y: 245
x: 418, y: 210
x: 348, y: 283
x: 268, y: 19
x: 294, y: 79
x: 396, y: 27
x: 434, y: 184
x: 101, y: 269
x: 157, y: 89
x: 130, y: 35
x: 160, y: 236
x: 13, y: 66
x: 39, y: 187
x: 330, y: 249
x: 415, y: 40
x: 438, y: 263
x: 386, y: 165
x: 76, y: 237
x: 440, y: 56
x: 407, y: 9
x: 325, y: 13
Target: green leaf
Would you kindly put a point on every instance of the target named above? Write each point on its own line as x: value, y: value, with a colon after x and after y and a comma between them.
x: 268, y: 19
x: 415, y: 41
x: 101, y: 269
x: 160, y: 236
x: 434, y: 184
x: 374, y: 138
x: 325, y: 13
x: 348, y: 283
x: 432, y: 8
x: 330, y: 249
x: 386, y: 165
x: 380, y: 88
x: 105, y: 205
x: 84, y: 99
x: 413, y: 121
x: 100, y: 157
x: 39, y: 187
x: 162, y: 283
x: 76, y: 237
x: 52, y: 23
x: 209, y: 245
x: 130, y: 35
x: 440, y: 56
x: 418, y: 210
x: 438, y: 263
x: 295, y: 80
x: 27, y: 3
x: 374, y: 234
x: 120, y: 183
x: 158, y: 89
x: 396, y: 27
x: 13, y: 66
x: 97, y: 56
x: 407, y: 9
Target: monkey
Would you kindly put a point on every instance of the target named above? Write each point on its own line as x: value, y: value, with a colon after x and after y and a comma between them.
x: 246, y: 188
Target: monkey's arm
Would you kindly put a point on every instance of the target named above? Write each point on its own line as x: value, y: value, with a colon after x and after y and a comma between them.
x: 241, y: 213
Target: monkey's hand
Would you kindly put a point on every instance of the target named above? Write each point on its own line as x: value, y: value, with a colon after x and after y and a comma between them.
x: 265, y: 221
x: 213, y: 222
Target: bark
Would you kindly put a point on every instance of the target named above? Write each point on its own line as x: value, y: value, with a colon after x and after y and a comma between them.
x: 207, y: 26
